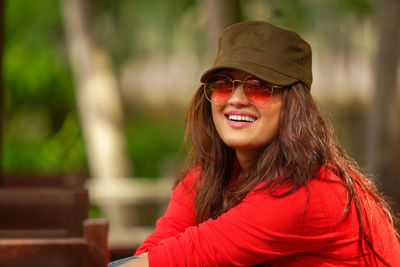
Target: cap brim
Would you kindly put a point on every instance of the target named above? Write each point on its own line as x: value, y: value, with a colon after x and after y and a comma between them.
x: 261, y: 72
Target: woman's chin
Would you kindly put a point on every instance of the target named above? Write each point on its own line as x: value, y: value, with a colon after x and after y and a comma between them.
x: 241, y: 145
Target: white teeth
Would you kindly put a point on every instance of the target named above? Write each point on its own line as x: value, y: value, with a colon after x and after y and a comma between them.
x: 241, y: 118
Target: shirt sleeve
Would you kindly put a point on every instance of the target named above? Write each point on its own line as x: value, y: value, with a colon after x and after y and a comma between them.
x: 260, y: 228
x: 178, y: 216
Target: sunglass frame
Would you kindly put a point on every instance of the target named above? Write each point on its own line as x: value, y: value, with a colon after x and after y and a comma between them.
x: 233, y: 88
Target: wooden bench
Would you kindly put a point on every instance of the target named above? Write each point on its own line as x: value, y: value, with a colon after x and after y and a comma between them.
x: 18, y: 180
x: 87, y: 251
x: 44, y: 252
x: 49, y: 227
x: 44, y: 212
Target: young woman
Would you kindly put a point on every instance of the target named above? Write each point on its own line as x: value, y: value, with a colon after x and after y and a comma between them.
x: 265, y: 182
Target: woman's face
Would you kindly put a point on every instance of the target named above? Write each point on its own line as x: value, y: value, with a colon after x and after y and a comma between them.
x: 248, y: 138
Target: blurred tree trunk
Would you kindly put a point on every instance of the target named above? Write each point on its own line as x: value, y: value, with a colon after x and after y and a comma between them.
x: 2, y: 22
x: 382, y: 122
x: 97, y: 94
x: 220, y: 14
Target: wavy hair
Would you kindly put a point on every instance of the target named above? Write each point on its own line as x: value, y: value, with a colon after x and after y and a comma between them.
x: 305, y: 143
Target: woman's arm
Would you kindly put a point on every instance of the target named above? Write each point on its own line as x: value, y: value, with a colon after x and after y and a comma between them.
x: 140, y: 261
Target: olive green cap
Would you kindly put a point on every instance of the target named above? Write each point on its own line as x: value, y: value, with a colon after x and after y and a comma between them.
x: 271, y: 53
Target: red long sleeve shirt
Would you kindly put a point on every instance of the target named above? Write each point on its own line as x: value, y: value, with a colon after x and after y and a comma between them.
x: 305, y: 228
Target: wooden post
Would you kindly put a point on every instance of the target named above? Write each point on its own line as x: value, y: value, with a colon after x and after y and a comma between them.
x: 96, y: 235
x: 2, y: 22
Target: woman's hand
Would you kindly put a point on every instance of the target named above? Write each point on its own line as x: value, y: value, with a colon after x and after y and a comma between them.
x: 140, y: 261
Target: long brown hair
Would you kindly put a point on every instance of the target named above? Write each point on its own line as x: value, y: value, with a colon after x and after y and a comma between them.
x: 305, y: 142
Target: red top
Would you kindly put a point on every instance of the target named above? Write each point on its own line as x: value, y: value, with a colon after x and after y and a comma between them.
x: 305, y: 228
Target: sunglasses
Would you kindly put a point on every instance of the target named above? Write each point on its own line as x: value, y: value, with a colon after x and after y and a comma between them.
x: 218, y: 89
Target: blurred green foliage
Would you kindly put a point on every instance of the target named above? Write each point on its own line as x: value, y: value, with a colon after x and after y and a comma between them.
x: 42, y: 131
x: 154, y: 141
x: 307, y: 15
x: 41, y: 126
x: 138, y: 27
x: 37, y: 75
x: 29, y: 146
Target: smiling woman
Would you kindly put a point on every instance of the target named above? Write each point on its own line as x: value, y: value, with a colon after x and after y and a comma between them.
x: 265, y: 182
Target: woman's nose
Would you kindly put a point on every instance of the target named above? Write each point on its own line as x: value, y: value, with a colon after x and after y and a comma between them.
x: 238, y: 97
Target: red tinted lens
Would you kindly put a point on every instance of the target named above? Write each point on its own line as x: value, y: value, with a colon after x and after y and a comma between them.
x: 257, y: 92
x: 218, y: 88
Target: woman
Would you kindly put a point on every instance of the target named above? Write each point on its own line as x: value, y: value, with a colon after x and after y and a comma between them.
x: 265, y: 181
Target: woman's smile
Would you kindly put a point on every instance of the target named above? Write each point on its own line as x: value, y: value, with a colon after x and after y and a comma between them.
x: 239, y: 119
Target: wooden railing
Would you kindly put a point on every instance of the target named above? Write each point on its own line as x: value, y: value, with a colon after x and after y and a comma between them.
x: 48, y: 225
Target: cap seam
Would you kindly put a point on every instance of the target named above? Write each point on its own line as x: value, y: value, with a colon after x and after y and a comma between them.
x: 268, y: 68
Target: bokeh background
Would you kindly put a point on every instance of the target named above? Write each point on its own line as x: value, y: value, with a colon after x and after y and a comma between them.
x: 100, y: 88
